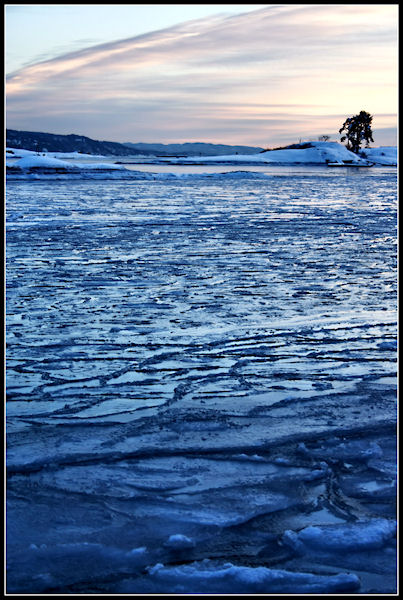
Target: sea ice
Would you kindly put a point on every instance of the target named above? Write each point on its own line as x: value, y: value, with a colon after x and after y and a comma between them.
x: 201, y: 367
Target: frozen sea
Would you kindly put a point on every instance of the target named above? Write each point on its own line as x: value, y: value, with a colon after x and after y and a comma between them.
x: 201, y: 383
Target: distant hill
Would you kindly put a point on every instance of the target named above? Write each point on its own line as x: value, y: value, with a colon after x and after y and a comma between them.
x: 193, y: 149
x: 50, y: 142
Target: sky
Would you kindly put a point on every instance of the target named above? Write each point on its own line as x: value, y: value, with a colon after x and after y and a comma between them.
x: 262, y: 75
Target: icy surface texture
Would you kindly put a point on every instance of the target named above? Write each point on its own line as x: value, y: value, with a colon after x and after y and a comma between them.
x: 201, y: 385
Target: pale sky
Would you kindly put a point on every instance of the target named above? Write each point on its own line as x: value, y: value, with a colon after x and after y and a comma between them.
x: 261, y: 75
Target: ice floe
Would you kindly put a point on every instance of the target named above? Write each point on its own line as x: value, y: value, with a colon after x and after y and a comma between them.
x: 354, y: 537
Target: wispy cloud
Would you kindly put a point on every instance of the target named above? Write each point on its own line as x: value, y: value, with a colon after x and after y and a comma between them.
x: 269, y: 75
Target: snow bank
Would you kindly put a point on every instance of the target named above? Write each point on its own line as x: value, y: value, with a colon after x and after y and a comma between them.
x: 40, y: 163
x: 19, y: 153
x: 35, y: 161
x: 385, y: 155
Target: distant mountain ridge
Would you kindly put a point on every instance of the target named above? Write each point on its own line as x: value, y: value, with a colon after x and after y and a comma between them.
x: 194, y: 148
x: 50, y: 142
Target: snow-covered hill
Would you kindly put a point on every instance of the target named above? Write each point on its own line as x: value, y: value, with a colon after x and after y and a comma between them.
x: 309, y: 153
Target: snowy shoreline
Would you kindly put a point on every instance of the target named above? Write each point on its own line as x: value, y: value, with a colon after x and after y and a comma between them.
x: 26, y: 165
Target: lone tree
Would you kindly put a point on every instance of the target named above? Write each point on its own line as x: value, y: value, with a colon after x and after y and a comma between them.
x: 358, y: 129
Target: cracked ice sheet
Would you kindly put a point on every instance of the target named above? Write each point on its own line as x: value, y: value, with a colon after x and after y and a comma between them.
x: 173, y: 431
x: 175, y: 322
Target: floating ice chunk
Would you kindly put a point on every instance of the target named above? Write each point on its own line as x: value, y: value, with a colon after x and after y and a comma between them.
x: 128, y: 377
x: 140, y: 550
x: 178, y: 541
x: 155, y: 568
x: 253, y: 457
x: 365, y: 486
x: 351, y: 537
x: 208, y: 577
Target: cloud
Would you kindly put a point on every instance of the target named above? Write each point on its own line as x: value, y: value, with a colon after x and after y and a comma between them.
x: 263, y: 75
